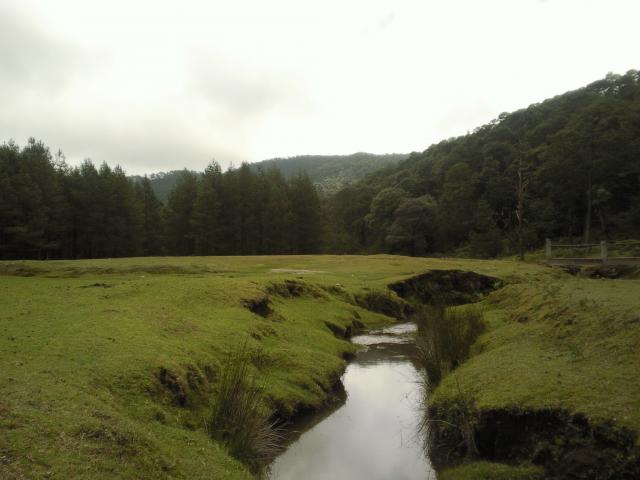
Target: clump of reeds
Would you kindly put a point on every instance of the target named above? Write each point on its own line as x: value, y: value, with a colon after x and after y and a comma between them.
x: 239, y: 417
x: 449, y: 430
x: 445, y: 336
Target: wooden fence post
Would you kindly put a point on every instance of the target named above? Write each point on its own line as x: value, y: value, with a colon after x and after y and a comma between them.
x: 603, y: 251
x: 548, y: 248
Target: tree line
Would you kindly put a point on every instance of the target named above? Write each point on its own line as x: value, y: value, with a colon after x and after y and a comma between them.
x: 568, y: 167
x: 51, y: 210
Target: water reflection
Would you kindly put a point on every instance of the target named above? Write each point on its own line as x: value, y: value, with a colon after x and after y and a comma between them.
x: 374, y: 434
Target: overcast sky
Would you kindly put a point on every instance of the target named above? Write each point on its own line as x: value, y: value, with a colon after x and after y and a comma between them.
x: 159, y: 85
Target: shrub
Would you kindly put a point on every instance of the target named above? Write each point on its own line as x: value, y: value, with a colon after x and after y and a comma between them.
x: 239, y: 418
x: 449, y: 428
x: 445, y: 336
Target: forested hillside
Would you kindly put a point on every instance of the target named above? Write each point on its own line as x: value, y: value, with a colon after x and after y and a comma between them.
x: 329, y: 173
x: 566, y: 167
x: 163, y: 182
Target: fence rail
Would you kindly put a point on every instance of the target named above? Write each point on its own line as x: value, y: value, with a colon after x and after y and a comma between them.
x: 602, y: 258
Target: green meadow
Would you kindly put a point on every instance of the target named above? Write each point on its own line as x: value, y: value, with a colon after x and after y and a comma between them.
x: 108, y: 368
x: 555, y: 343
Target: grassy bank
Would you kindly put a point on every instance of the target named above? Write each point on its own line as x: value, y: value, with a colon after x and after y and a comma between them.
x: 554, y: 380
x: 108, y: 368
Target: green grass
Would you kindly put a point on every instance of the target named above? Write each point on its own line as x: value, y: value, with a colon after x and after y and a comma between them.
x: 492, y: 471
x: 558, y: 343
x: 83, y: 345
x: 561, y: 344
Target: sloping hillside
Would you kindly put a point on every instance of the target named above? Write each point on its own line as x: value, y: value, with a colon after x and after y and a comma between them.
x: 330, y: 173
x: 570, y: 166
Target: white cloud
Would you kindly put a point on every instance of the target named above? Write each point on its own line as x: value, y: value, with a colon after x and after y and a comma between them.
x: 157, y: 85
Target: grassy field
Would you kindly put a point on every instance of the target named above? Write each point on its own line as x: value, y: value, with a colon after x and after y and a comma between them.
x: 108, y: 367
x: 559, y: 343
x: 492, y: 471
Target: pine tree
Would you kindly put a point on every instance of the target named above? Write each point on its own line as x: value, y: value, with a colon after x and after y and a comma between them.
x: 306, y: 217
x: 206, y: 212
x: 152, y: 220
x: 277, y: 217
x: 180, y: 205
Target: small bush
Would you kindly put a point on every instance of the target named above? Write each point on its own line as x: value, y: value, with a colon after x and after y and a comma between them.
x: 445, y: 336
x: 449, y: 428
x: 239, y: 418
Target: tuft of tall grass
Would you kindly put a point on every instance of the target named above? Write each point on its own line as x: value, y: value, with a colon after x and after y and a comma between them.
x: 445, y: 336
x: 239, y: 417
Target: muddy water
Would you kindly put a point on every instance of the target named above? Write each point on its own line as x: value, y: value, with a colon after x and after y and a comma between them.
x: 374, y: 435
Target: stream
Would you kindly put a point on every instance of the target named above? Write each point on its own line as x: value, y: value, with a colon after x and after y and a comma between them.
x: 375, y: 434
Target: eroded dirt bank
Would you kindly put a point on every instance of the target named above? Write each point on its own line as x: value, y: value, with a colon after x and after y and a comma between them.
x: 529, y: 394
x: 567, y: 445
x: 446, y: 287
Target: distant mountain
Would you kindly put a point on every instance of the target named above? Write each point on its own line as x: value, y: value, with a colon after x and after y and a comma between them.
x: 328, y: 172
x: 332, y: 172
x: 163, y: 182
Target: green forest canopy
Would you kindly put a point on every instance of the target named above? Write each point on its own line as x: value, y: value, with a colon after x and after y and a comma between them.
x: 569, y: 166
x: 329, y: 173
x: 578, y: 155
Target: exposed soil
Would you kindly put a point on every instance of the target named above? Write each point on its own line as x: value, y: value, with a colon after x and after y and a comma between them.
x: 258, y: 305
x: 446, y: 287
x: 172, y: 383
x: 97, y: 285
x: 609, y: 271
x: 603, y: 271
x: 385, y: 303
x: 334, y: 394
x: 294, y: 288
x: 294, y: 271
x: 345, y: 332
x: 567, y: 445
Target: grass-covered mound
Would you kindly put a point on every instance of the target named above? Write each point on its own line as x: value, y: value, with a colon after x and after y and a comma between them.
x: 553, y: 381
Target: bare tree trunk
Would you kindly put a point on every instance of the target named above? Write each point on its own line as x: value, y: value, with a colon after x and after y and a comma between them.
x: 519, y: 215
x: 590, y: 165
x: 603, y: 224
x: 587, y: 220
x: 520, y: 191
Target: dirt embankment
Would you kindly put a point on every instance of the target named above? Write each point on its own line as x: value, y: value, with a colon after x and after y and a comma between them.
x: 446, y: 287
x: 191, y: 386
x: 567, y: 444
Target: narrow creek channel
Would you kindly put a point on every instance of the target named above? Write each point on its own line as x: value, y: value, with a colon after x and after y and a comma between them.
x: 375, y: 434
